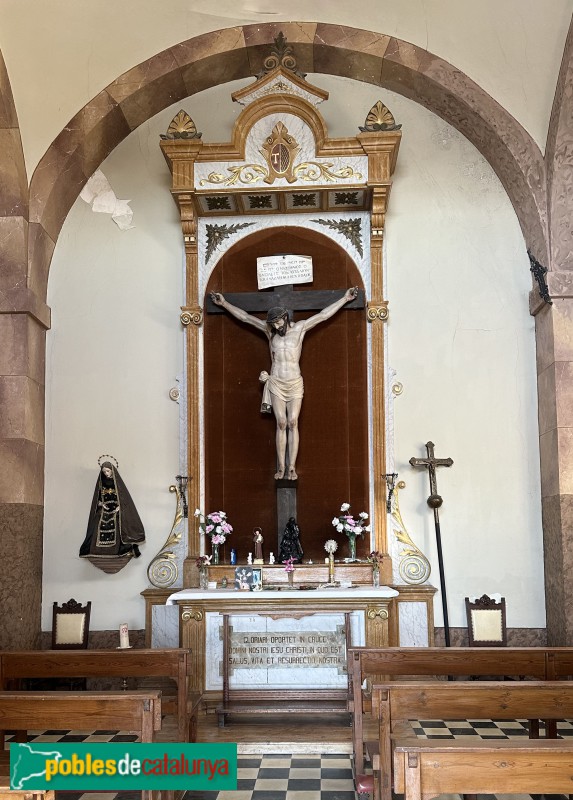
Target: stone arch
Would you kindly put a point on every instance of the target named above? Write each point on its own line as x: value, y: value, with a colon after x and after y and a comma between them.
x: 221, y: 56
x: 137, y: 95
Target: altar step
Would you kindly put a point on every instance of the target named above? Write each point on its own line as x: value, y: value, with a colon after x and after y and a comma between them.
x: 284, y: 707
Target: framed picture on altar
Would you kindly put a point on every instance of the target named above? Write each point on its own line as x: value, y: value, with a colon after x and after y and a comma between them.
x: 244, y: 578
x: 257, y: 579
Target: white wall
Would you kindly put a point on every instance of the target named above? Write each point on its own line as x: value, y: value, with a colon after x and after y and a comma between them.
x: 60, y: 54
x: 460, y: 338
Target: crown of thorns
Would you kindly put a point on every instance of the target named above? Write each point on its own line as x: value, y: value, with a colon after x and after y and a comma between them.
x: 276, y: 313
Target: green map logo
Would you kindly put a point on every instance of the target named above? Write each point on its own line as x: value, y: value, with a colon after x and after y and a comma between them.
x: 115, y: 766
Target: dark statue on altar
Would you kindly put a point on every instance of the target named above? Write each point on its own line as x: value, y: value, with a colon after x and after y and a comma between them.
x: 290, y: 544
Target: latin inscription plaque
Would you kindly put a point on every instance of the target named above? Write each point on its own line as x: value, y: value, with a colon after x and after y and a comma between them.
x: 287, y: 649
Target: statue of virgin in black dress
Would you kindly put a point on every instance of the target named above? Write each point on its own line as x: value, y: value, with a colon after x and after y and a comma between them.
x: 114, y: 527
x: 290, y: 544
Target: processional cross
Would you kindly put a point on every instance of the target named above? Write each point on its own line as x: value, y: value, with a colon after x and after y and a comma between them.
x: 286, y: 297
x: 435, y: 501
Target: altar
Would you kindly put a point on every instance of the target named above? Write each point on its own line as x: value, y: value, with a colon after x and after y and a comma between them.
x: 279, y: 633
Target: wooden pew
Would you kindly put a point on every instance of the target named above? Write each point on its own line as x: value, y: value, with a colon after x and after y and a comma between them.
x: 382, y: 664
x: 138, y: 712
x: 541, y: 766
x: 145, y: 663
x: 397, y: 703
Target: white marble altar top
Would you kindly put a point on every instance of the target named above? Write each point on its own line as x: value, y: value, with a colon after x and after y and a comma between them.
x: 353, y: 591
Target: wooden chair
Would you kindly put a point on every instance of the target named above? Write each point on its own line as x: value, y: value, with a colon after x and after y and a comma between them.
x: 70, y: 625
x: 70, y: 631
x: 486, y: 622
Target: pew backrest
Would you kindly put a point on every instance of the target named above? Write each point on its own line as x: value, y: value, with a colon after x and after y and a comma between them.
x: 380, y: 664
x: 507, y: 767
x: 138, y: 711
x: 504, y: 700
x: 396, y: 703
x: 172, y: 663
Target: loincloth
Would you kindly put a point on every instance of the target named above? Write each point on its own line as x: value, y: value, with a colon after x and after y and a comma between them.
x: 291, y: 389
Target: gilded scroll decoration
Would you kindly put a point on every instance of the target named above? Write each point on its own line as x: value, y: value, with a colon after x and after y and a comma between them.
x: 192, y: 315
x: 216, y: 235
x: 163, y: 571
x: 189, y: 613
x: 414, y: 567
x: 381, y: 613
x: 350, y: 228
x: 379, y: 118
x: 181, y: 127
x: 314, y: 170
x: 377, y: 311
x: 245, y: 173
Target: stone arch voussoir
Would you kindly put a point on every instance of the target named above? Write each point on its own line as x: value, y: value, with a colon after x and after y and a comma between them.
x: 222, y: 56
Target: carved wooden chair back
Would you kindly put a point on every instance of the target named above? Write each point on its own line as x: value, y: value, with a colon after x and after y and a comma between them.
x: 70, y: 625
x: 486, y: 622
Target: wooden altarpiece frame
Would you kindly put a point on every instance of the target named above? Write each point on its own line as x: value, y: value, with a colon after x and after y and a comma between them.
x: 214, y: 180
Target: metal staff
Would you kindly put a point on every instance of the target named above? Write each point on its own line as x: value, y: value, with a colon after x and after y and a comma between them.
x: 435, y: 501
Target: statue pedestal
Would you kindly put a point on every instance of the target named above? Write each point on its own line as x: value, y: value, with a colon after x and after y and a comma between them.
x: 286, y: 505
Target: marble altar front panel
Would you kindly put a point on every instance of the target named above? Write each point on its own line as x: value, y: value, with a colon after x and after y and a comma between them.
x: 286, y: 653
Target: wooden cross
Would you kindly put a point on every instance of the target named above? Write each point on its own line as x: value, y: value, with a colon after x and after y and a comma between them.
x: 285, y: 297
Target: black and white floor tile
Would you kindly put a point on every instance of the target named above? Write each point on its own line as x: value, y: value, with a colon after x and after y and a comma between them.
x: 299, y: 776
x: 484, y: 729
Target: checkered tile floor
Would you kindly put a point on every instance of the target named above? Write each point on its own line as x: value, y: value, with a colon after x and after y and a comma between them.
x: 301, y: 777
x: 484, y: 729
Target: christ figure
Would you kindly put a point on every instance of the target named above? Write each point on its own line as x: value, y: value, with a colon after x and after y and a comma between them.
x: 283, y: 387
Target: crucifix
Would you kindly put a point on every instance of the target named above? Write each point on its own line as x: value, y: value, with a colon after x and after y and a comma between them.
x: 283, y: 386
x: 435, y: 501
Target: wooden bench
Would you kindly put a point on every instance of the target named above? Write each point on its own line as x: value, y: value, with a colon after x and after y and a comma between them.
x: 383, y: 664
x: 266, y: 701
x: 397, y: 703
x: 174, y: 664
x: 138, y: 712
x: 532, y: 766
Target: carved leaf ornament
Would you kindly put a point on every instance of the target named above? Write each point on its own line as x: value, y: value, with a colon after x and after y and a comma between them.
x: 380, y: 118
x: 181, y: 127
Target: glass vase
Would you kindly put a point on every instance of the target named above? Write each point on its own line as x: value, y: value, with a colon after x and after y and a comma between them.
x: 376, y: 577
x: 290, y: 576
x: 214, y: 554
x: 352, y: 546
x: 203, y: 578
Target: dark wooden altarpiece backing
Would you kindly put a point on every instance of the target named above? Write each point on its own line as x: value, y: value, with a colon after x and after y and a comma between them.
x: 240, y: 453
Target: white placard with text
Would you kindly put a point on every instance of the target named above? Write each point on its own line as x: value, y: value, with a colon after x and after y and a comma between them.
x: 281, y: 270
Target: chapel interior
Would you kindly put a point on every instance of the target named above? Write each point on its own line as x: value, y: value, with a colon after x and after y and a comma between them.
x: 424, y: 158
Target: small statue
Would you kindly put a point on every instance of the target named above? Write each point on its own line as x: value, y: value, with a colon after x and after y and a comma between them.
x: 290, y: 544
x: 271, y: 558
x: 258, y: 540
x: 250, y: 559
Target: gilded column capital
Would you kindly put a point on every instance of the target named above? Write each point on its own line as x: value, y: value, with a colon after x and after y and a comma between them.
x: 377, y: 310
x: 375, y: 612
x: 192, y: 613
x: 191, y: 314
